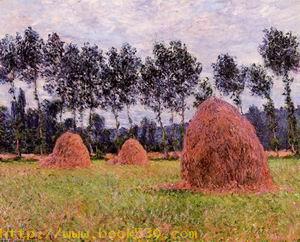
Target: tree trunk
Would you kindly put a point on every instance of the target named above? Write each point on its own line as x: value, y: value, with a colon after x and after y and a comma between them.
x: 90, y: 131
x: 61, y: 109
x: 272, y: 124
x: 18, y: 150
x: 60, y: 115
x: 237, y: 101
x: 74, y: 119
x: 241, y: 109
x: 90, y: 117
x: 129, y: 121
x: 40, y: 128
x: 291, y: 118
x: 175, y: 146
x: 164, y: 135
x: 13, y: 90
x: 116, y: 116
x: 81, y: 118
x: 182, y: 128
x: 16, y: 130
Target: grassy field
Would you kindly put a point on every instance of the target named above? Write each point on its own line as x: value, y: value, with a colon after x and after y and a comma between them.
x: 105, y: 200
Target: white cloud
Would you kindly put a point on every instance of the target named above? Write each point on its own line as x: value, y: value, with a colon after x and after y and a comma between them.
x: 207, y: 27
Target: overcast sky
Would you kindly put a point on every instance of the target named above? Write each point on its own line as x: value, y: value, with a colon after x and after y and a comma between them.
x: 207, y: 27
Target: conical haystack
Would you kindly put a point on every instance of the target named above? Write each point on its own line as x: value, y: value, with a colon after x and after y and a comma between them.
x: 69, y: 152
x: 222, y: 151
x: 131, y: 153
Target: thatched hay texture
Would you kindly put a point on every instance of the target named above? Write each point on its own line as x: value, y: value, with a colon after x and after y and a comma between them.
x: 222, y: 151
x: 69, y: 152
x: 131, y: 153
x: 160, y: 156
x: 279, y: 153
x: 109, y: 156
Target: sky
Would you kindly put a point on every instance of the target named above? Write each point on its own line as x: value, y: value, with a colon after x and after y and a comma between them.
x: 207, y: 27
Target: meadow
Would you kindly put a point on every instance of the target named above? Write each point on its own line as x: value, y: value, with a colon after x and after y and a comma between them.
x: 110, y: 198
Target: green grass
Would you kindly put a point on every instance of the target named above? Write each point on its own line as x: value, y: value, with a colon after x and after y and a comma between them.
x: 110, y: 197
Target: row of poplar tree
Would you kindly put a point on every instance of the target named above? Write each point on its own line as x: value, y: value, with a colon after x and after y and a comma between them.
x: 84, y: 79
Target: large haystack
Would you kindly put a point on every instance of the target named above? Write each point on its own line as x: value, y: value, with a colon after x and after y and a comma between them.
x: 222, y: 151
x: 69, y: 152
x: 132, y: 153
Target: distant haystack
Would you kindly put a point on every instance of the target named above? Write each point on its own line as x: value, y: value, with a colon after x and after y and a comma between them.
x: 132, y: 153
x: 69, y: 152
x: 222, y: 151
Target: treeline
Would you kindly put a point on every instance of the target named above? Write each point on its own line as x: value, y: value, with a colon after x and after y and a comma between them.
x: 259, y: 120
x: 102, y: 139
x: 97, y: 136
x: 85, y: 79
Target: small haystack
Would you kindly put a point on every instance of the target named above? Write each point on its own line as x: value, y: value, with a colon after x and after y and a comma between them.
x: 132, y: 153
x: 69, y: 152
x: 222, y: 151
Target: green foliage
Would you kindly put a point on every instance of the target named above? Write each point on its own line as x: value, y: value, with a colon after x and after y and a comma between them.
x: 18, y: 117
x: 120, y: 72
x: 272, y: 124
x: 167, y: 80
x: 83, y: 79
x: 280, y: 52
x: 291, y: 118
x: 204, y: 92
x: 6, y: 131
x: 260, y: 84
x: 229, y: 78
x: 99, y: 154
